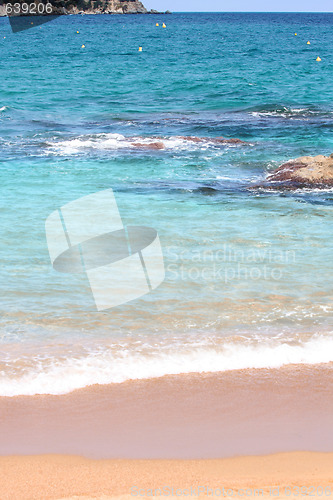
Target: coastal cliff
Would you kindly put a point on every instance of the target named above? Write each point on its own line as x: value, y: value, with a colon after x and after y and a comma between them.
x: 63, y: 7
x: 101, y: 7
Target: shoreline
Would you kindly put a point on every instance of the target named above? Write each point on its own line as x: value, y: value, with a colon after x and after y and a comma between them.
x: 72, y: 477
x: 244, y: 412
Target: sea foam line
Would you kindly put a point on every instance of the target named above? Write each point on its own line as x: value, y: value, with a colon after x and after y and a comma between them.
x: 118, y: 141
x: 106, y: 367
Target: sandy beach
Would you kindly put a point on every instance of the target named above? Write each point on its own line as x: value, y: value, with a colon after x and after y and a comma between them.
x: 195, y: 416
x: 286, y: 475
x: 233, y: 430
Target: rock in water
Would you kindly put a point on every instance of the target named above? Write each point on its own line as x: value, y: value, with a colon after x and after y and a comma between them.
x: 216, y: 140
x: 303, y: 172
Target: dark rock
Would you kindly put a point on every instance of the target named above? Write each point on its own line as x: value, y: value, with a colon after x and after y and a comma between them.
x: 223, y: 140
x: 217, y: 140
x: 150, y: 145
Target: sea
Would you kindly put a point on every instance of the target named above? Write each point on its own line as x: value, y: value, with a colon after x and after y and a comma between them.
x: 248, y: 270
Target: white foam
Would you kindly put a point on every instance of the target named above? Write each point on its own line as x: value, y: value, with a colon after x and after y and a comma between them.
x: 108, y: 366
x: 285, y: 112
x: 118, y: 141
x: 102, y: 141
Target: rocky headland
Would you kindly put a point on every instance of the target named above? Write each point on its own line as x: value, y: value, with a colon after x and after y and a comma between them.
x: 67, y: 7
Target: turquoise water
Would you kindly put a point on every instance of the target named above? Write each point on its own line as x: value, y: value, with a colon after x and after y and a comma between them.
x: 248, y: 272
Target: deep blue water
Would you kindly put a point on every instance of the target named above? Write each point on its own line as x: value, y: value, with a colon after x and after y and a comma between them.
x: 73, y: 121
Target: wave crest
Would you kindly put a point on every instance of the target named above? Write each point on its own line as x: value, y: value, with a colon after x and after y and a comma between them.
x: 117, y: 365
x: 118, y: 141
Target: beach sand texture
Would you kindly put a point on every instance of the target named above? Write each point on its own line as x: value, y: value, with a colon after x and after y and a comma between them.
x: 69, y: 477
x: 198, y: 419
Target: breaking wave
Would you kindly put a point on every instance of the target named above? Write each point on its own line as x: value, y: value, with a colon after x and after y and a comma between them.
x: 281, y: 111
x: 112, y: 365
x: 118, y: 141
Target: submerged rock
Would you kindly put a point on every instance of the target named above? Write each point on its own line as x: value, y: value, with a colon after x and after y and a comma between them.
x: 303, y: 172
x: 162, y: 143
x: 217, y: 140
x: 149, y: 145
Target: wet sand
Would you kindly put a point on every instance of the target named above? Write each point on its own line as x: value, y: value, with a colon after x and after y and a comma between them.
x: 173, y: 432
x: 246, y: 412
